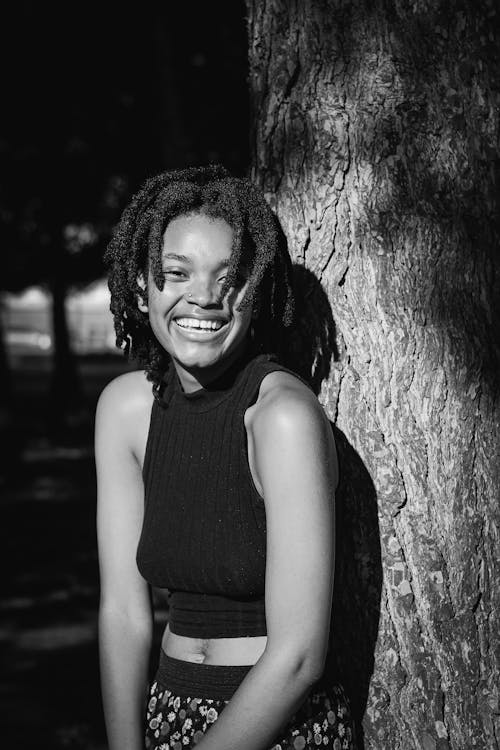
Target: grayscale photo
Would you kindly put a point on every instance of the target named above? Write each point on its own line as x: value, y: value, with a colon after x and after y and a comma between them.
x: 249, y: 365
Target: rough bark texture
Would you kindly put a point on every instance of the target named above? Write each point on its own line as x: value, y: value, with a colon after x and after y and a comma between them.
x: 375, y: 137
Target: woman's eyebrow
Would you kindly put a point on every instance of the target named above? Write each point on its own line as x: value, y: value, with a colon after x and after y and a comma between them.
x: 187, y: 259
x: 177, y: 256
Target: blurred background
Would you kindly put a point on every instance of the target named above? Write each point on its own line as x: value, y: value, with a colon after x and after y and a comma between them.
x: 96, y: 98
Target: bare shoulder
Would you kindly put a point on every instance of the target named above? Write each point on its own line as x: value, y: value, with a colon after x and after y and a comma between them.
x: 284, y: 402
x: 123, y: 410
x: 126, y: 394
x: 289, y: 435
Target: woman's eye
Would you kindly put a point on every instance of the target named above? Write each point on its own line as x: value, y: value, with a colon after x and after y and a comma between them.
x: 174, y: 273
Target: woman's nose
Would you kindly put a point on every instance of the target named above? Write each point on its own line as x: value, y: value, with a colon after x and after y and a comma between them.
x: 203, y: 293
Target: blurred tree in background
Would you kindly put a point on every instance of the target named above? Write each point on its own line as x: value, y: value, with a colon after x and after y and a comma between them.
x: 96, y: 98
x: 99, y: 97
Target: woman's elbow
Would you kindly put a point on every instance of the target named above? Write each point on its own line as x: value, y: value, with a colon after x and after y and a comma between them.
x: 121, y: 617
x: 304, y: 664
x: 312, y: 667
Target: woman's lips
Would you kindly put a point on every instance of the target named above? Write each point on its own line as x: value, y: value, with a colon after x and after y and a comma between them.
x: 204, y: 324
x: 199, y: 329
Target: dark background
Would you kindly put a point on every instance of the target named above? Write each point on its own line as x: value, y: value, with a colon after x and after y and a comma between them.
x: 95, y: 98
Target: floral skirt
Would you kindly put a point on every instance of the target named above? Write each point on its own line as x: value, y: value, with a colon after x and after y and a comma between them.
x: 179, y: 711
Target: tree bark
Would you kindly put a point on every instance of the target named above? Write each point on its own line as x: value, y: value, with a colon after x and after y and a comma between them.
x: 375, y: 137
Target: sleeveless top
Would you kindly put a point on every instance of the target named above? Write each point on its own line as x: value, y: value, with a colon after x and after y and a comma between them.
x: 204, y: 530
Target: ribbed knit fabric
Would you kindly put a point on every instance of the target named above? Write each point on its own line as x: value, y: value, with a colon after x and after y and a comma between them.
x: 219, y: 681
x: 204, y: 530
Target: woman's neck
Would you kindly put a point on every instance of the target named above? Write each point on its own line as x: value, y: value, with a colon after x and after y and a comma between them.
x: 193, y: 379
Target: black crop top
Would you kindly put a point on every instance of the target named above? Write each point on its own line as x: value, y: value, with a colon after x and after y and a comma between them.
x: 204, y: 531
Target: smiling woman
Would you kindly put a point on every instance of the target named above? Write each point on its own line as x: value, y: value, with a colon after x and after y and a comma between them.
x: 216, y: 484
x: 200, y: 330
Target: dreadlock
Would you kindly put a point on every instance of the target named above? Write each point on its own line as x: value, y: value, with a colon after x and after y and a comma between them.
x: 258, y: 247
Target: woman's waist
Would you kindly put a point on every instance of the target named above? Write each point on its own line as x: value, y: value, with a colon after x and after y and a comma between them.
x: 244, y: 650
x: 208, y: 616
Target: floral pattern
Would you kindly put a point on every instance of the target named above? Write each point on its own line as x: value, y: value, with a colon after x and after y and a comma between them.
x: 178, y: 723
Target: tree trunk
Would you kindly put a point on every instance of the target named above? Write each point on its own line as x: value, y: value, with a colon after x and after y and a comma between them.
x: 65, y: 388
x: 375, y: 135
x: 8, y: 435
x: 5, y: 373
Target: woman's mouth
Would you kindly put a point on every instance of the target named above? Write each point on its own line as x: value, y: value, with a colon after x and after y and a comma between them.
x: 198, y: 325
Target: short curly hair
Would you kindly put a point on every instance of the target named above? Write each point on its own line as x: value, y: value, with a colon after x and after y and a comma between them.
x: 258, y: 245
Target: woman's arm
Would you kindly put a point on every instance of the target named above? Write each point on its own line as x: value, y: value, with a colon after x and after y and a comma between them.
x: 294, y: 458
x: 125, y: 619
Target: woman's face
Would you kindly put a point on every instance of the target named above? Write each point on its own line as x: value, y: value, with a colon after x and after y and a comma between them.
x: 202, y: 333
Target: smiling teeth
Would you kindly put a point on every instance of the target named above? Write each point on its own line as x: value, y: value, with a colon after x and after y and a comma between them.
x: 211, y: 325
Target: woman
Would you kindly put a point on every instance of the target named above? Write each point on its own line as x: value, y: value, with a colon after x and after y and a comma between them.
x: 220, y: 476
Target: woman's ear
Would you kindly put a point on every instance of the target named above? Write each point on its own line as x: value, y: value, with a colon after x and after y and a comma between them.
x: 142, y: 300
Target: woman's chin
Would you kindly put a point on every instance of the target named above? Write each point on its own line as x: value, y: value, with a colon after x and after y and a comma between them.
x: 198, y: 360
x: 207, y: 358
